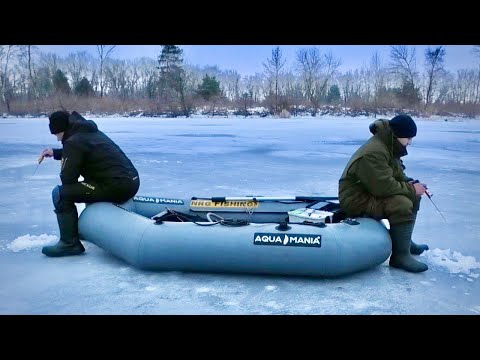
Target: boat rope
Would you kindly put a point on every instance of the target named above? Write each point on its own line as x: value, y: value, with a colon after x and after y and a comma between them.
x: 249, y: 211
x: 225, y: 222
x: 213, y: 219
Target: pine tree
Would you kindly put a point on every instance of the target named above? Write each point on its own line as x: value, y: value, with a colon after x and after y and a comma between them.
x: 170, y: 59
x: 173, y: 78
x: 84, y: 88
x: 209, y: 88
x: 44, y: 82
x: 333, y: 96
x: 60, y: 82
x: 170, y: 64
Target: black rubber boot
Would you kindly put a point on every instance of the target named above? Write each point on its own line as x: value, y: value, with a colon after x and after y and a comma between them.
x: 417, y: 249
x: 401, y: 258
x: 69, y: 243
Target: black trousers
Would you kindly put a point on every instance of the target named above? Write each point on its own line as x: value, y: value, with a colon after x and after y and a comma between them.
x: 65, y: 196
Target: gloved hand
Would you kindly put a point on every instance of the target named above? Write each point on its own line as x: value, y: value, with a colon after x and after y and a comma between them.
x: 420, y: 188
x: 47, y: 153
x: 418, y: 182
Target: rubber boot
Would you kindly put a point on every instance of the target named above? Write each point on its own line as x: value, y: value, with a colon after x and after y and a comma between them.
x: 401, y: 258
x: 417, y: 249
x: 69, y: 243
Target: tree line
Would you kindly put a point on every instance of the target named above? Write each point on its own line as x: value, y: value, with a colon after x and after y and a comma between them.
x: 33, y: 82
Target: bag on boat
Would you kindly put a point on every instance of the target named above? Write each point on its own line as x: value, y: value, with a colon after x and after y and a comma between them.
x: 310, y: 215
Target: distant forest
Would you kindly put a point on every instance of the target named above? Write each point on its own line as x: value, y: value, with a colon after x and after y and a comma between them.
x: 38, y: 83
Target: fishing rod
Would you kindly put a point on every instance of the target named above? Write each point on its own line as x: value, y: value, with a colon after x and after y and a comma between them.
x: 429, y: 195
x: 40, y: 159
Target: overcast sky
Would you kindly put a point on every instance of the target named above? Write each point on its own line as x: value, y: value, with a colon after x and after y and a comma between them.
x: 248, y: 59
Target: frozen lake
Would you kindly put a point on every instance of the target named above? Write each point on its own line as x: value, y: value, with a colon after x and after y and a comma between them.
x: 181, y: 158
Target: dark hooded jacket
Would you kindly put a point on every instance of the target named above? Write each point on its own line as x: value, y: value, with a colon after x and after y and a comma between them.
x: 90, y: 153
x: 375, y: 171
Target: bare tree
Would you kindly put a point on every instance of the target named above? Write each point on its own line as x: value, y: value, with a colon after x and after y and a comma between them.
x: 403, y: 63
x: 31, y: 69
x: 133, y: 80
x: 232, y: 84
x: 183, y: 86
x: 470, y: 79
x: 253, y: 85
x: 378, y: 75
x: 51, y: 62
x: 346, y: 81
x: 273, y: 68
x: 309, y: 65
x: 292, y: 95
x: 434, y: 60
x: 148, y: 77
x: 122, y: 77
x: 115, y: 75
x: 477, y: 86
x: 7, y: 52
x: 444, y: 87
x: 357, y: 88
x: 476, y: 50
x: 331, y: 66
x: 103, y: 52
x: 316, y: 72
x: 463, y: 87
x: 23, y: 71
x: 78, y: 65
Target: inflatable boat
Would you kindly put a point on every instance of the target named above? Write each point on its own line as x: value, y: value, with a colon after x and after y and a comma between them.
x: 291, y: 235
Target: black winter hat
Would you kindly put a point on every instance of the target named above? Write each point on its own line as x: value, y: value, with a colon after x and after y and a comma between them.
x: 403, y: 126
x: 58, y: 122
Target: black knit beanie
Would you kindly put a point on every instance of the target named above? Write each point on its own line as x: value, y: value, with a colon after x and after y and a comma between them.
x: 58, y: 122
x: 403, y: 126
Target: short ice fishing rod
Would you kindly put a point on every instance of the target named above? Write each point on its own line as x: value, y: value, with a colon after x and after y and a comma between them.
x: 40, y: 159
x: 430, y: 197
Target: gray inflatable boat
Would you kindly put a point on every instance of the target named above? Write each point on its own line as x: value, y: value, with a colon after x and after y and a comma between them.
x: 259, y: 235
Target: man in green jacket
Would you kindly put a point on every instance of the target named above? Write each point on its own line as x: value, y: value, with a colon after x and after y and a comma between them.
x: 374, y: 184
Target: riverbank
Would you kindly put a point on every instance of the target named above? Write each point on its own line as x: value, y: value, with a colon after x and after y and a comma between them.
x: 262, y: 112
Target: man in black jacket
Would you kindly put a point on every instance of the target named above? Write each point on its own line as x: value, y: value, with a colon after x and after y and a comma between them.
x: 108, y: 175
